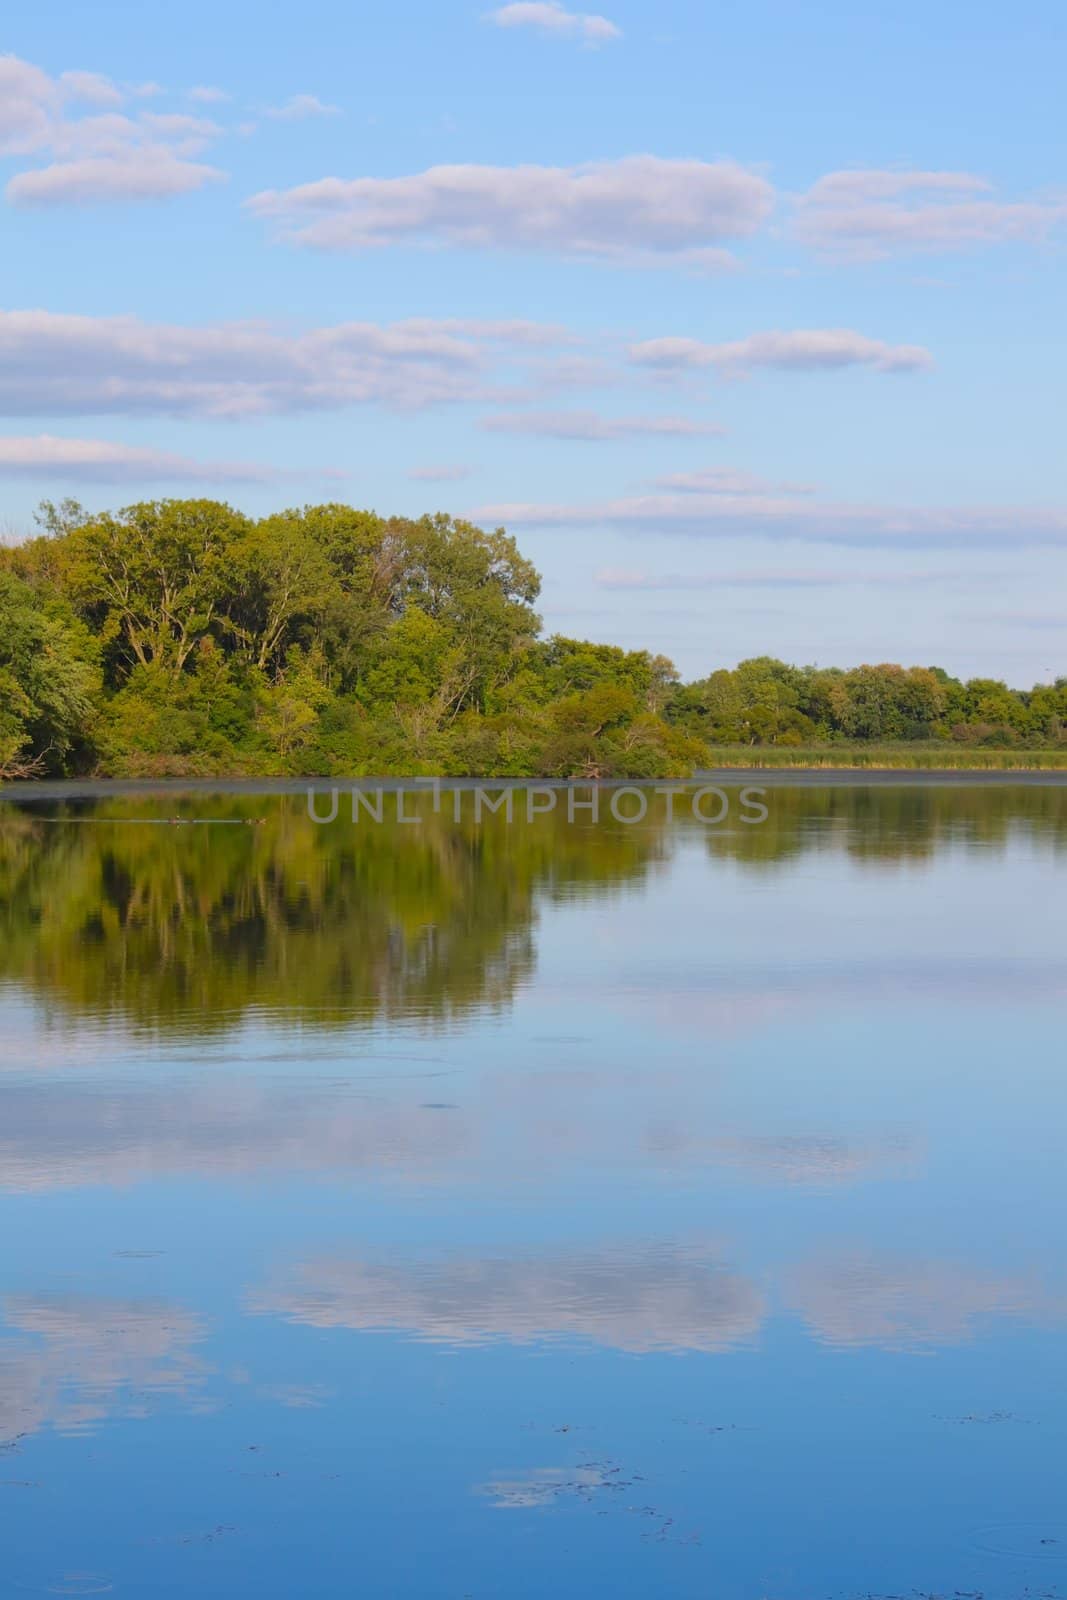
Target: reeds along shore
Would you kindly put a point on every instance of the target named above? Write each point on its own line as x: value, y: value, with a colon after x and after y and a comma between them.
x: 939, y: 756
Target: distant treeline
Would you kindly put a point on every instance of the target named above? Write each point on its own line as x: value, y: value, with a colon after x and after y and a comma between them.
x: 182, y: 638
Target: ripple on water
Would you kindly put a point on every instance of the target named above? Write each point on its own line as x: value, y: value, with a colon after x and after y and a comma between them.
x: 1038, y: 1541
x: 80, y: 1583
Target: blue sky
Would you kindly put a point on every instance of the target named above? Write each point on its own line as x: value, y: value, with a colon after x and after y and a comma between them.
x: 745, y: 320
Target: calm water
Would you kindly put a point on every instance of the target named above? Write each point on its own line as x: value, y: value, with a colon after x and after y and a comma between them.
x: 446, y: 1211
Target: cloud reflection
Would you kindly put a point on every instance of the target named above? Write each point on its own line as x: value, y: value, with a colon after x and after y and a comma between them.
x: 639, y: 1300
x: 893, y: 1302
x: 64, y: 1137
x: 516, y: 1129
x: 71, y: 1361
x: 647, y: 1298
x: 809, y: 1160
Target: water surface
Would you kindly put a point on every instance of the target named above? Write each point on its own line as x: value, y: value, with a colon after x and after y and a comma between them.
x: 444, y: 1210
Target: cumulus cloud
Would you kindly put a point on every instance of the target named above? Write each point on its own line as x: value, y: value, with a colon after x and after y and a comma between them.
x: 637, y: 208
x: 92, y: 87
x: 800, y: 350
x: 301, y: 106
x: 29, y: 101
x: 190, y: 134
x: 590, y: 426
x: 792, y: 516
x: 634, y: 1299
x: 872, y: 213
x: 103, y: 157
x: 101, y: 461
x: 146, y: 173
x: 207, y: 94
x: 866, y: 184
x: 55, y: 364
x: 511, y: 330
x: 552, y: 18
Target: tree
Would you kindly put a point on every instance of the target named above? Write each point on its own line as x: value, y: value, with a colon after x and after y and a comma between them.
x: 359, y: 600
x: 152, y: 579
x: 293, y: 704
x: 48, y: 681
x: 58, y: 519
x: 278, y: 589
x: 478, y: 587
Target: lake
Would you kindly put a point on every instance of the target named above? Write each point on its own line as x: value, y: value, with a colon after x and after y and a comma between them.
x: 554, y: 1207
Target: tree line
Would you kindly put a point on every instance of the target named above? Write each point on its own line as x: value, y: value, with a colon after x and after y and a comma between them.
x: 180, y: 637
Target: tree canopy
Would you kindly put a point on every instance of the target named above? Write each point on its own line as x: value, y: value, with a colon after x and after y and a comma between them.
x: 183, y: 637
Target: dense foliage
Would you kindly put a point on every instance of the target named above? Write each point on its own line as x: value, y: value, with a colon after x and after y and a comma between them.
x: 766, y: 702
x: 181, y: 637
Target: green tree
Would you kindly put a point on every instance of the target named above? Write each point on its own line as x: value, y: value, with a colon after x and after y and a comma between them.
x: 153, y: 579
x: 49, y: 681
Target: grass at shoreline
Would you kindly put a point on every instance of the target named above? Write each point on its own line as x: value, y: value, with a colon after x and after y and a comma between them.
x: 892, y: 757
x: 846, y: 756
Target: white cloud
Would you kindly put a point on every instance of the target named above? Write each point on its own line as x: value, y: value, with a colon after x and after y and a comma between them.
x: 625, y: 578
x: 510, y: 330
x: 190, y: 134
x: 863, y: 184
x: 638, y: 208
x: 589, y: 425
x: 104, y: 157
x: 143, y: 174
x: 801, y: 350
x: 207, y: 94
x: 101, y: 461
x: 300, y: 106
x: 550, y: 17
x: 57, y: 364
x: 91, y: 87
x: 725, y: 480
x: 789, y: 516
x: 441, y: 474
x: 28, y: 101
x: 872, y: 213
x: 53, y: 364
x: 564, y: 372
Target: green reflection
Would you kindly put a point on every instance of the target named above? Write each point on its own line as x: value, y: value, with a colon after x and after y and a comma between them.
x: 111, y: 907
x: 892, y: 824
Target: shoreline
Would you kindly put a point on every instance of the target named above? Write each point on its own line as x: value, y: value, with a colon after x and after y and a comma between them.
x: 780, y: 777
